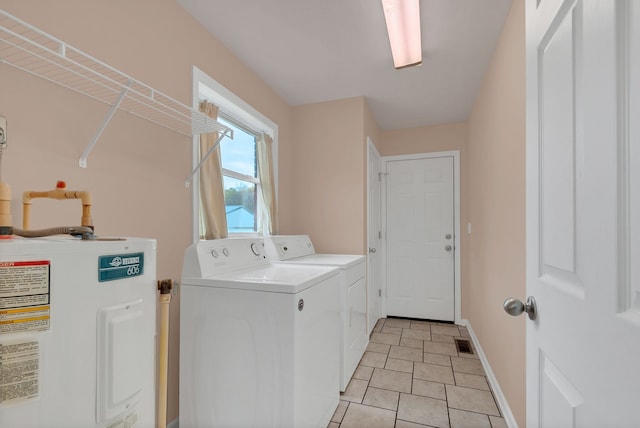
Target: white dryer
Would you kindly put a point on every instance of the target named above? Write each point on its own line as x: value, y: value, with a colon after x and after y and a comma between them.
x: 298, y: 250
x: 259, y: 343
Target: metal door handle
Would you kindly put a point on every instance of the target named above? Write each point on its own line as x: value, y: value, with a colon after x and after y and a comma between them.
x: 372, y: 250
x: 515, y: 307
x: 448, y: 248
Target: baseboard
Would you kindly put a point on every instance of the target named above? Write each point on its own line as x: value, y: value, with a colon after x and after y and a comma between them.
x: 509, y: 419
x: 173, y: 424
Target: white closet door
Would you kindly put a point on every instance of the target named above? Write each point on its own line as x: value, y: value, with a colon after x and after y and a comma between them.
x: 583, y: 213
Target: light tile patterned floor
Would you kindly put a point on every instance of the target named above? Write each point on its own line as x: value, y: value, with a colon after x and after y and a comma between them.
x: 412, y: 376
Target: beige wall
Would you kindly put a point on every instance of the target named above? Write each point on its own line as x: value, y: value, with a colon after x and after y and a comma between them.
x: 329, y: 171
x: 439, y: 138
x: 436, y: 138
x: 497, y: 204
x: 329, y: 174
x: 137, y: 170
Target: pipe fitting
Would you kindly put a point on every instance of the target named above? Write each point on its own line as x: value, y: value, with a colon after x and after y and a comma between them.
x: 58, y: 193
x: 165, y: 286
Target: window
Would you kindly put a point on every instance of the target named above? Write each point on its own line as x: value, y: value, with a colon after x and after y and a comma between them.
x: 243, y: 203
x: 241, y: 183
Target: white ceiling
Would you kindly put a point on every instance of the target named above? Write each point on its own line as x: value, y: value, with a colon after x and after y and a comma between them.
x: 310, y: 51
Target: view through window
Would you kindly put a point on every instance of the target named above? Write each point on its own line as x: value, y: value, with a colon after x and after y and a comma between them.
x: 240, y: 171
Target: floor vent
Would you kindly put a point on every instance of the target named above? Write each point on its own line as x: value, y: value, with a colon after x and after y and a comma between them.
x: 463, y: 346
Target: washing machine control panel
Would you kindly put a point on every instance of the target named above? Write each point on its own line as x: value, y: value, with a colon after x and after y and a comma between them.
x: 218, y: 253
x: 219, y: 256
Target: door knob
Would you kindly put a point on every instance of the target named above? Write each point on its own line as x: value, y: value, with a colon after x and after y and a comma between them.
x: 448, y: 248
x: 515, y: 307
x: 372, y: 250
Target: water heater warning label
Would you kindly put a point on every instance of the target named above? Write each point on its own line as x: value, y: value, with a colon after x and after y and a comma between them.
x: 24, y: 296
x: 19, y: 371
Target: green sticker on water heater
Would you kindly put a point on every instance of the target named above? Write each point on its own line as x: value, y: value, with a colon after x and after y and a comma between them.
x: 120, y: 266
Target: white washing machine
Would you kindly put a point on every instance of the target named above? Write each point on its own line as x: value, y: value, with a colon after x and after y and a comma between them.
x: 259, y: 343
x: 77, y: 333
x: 298, y: 250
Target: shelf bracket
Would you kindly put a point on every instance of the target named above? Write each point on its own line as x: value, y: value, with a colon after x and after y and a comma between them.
x: 31, y: 50
x: 105, y: 122
x: 226, y: 133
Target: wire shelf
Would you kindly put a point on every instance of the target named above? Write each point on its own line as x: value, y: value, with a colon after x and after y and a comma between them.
x: 31, y: 50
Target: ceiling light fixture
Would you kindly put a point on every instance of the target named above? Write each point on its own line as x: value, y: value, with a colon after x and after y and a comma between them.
x: 403, y: 26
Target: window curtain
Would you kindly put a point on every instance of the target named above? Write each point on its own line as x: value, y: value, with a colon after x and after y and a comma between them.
x: 267, y: 183
x: 212, y: 208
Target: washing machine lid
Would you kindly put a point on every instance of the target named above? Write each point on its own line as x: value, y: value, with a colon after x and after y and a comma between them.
x: 275, y: 278
x: 341, y: 261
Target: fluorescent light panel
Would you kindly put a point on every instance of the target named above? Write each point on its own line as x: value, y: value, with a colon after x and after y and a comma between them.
x: 403, y: 26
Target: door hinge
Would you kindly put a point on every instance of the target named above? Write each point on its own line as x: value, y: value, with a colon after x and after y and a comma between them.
x: 379, y: 234
x: 379, y: 292
x: 380, y: 174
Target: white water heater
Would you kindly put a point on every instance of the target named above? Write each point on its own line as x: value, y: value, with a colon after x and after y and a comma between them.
x: 77, y: 333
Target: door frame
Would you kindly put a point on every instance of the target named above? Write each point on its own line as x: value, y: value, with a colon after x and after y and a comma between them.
x: 456, y: 224
x: 371, y: 288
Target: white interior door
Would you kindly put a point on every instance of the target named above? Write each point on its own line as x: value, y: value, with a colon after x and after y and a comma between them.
x: 583, y: 213
x: 420, y: 247
x: 374, y: 234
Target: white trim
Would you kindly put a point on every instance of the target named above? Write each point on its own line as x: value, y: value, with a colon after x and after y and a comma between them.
x: 456, y: 224
x: 174, y: 424
x: 240, y: 176
x: 509, y: 419
x: 234, y: 106
x: 240, y: 111
x: 370, y: 146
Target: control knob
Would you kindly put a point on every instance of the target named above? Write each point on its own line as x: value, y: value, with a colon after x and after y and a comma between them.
x: 256, y: 248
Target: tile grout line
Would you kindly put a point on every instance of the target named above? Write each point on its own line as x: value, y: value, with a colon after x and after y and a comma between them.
x: 462, y: 334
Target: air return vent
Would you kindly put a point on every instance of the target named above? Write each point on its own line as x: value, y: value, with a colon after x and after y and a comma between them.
x: 463, y: 346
